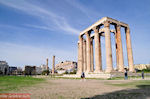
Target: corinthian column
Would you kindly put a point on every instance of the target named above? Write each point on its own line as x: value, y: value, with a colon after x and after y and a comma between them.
x: 92, y: 58
x: 53, y: 68
x: 88, y: 51
x: 109, y: 64
x: 117, y: 54
x: 47, y: 64
x: 84, y: 55
x: 120, y: 50
x: 129, y: 50
x: 80, y: 56
x: 98, y: 60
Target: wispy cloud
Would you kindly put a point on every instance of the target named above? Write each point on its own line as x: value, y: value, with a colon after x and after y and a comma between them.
x: 87, y: 11
x: 51, y: 20
x: 39, y: 27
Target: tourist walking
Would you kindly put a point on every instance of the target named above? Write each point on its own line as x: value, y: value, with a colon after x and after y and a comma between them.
x: 126, y: 74
x: 83, y: 76
x: 142, y: 74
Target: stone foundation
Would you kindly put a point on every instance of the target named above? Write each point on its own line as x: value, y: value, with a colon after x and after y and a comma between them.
x: 103, y: 75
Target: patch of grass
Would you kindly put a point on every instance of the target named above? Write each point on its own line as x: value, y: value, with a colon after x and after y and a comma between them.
x: 132, y: 84
x: 116, y: 78
x: 129, y: 77
x: 9, y: 83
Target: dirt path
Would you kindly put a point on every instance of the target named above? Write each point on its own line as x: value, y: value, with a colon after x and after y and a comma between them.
x: 70, y: 89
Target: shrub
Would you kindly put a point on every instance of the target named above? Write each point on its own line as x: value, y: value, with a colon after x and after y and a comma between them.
x: 45, y: 72
x: 1, y: 72
x: 73, y: 72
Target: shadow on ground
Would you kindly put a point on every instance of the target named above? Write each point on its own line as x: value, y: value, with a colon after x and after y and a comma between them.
x: 143, y: 92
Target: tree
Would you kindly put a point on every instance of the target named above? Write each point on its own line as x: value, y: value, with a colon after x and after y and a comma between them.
x: 45, y: 72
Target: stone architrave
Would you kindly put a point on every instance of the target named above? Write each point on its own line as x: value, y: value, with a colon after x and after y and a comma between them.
x: 129, y: 50
x: 109, y: 65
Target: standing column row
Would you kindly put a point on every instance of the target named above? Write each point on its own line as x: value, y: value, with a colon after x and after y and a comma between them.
x: 85, y: 54
x: 85, y: 51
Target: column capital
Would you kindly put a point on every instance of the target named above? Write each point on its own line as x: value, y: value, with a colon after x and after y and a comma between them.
x: 106, y: 24
x: 80, y: 37
x: 96, y: 29
x: 87, y: 33
x: 127, y: 29
x: 118, y: 26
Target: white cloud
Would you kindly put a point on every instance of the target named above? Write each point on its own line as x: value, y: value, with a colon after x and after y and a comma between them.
x: 51, y: 20
x: 86, y: 10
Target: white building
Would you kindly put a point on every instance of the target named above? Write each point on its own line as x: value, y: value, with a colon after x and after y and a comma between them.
x: 43, y: 66
x: 38, y: 70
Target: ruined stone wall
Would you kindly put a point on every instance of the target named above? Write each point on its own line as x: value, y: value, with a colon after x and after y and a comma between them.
x: 66, y: 65
x: 142, y: 66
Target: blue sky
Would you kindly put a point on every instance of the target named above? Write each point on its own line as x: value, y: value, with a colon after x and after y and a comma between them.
x: 32, y: 30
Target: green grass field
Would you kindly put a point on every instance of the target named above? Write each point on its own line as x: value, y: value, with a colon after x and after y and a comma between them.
x: 129, y: 77
x: 9, y: 83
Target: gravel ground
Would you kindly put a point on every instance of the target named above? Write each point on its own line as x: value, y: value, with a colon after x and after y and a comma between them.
x: 79, y: 89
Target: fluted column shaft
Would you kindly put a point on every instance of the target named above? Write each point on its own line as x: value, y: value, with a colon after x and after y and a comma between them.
x: 80, y: 55
x: 109, y: 64
x: 84, y: 55
x: 92, y: 57
x: 88, y: 51
x: 53, y: 68
x: 98, y: 60
x: 120, y: 50
x: 117, y: 54
x: 47, y: 63
x: 129, y: 50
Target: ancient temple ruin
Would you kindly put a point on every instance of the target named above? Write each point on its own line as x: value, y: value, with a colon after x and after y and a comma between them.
x: 85, y: 47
